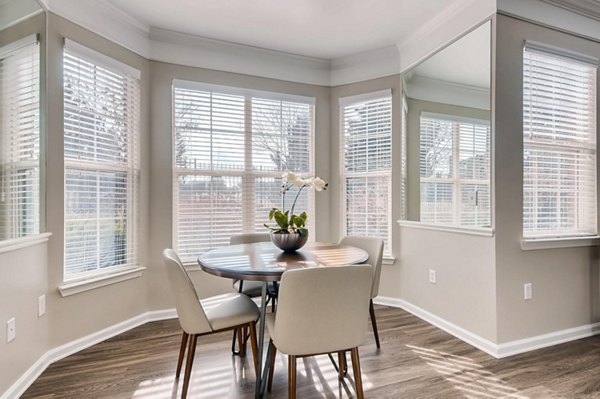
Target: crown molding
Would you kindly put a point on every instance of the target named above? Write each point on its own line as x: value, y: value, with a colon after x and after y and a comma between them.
x: 440, y: 91
x: 111, y: 22
x: 455, y: 21
x: 564, y: 15
x: 364, y: 66
x: 106, y: 20
x: 587, y: 8
x: 195, y: 51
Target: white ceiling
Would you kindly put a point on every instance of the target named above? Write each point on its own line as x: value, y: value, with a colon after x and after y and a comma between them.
x: 327, y: 29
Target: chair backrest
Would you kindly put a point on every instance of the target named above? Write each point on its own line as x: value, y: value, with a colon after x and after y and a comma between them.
x: 374, y: 247
x: 191, y: 315
x: 322, y: 309
x: 249, y: 238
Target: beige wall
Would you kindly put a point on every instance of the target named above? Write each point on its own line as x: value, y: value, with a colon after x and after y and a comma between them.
x: 81, y: 314
x: 565, y: 280
x: 23, y: 272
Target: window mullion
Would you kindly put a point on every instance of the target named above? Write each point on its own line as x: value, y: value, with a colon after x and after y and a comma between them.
x: 248, y: 180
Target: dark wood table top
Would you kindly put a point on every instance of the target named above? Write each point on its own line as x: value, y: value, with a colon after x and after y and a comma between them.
x: 265, y: 262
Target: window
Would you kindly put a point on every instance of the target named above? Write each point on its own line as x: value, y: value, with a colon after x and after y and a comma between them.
x: 20, y: 139
x: 366, y: 147
x: 559, y: 144
x: 231, y: 147
x: 101, y: 134
x: 454, y: 170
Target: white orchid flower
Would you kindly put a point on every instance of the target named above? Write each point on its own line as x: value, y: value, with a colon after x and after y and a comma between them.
x: 318, y: 184
x: 289, y: 177
x: 299, y: 182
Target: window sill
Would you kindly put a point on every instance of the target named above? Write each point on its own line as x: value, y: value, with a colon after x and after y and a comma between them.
x: 528, y: 244
x: 388, y: 260
x: 76, y: 287
x: 23, y: 242
x: 473, y: 231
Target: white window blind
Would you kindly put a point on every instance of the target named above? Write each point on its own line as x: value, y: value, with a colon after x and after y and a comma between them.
x: 559, y: 145
x: 101, y: 139
x: 366, y: 149
x: 454, y: 171
x: 231, y: 148
x: 404, y: 161
x: 19, y: 139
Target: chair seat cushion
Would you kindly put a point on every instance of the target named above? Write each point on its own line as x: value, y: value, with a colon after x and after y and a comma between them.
x: 229, y: 310
x: 250, y: 288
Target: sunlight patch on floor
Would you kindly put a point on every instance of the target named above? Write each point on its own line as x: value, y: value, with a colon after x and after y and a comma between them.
x: 467, y: 376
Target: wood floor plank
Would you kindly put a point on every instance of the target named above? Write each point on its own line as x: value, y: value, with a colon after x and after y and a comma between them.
x: 416, y: 360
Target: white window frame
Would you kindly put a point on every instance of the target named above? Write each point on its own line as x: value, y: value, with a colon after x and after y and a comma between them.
x: 456, y: 180
x: 7, y: 196
x: 356, y: 99
x: 247, y: 174
x: 541, y: 240
x: 81, y: 281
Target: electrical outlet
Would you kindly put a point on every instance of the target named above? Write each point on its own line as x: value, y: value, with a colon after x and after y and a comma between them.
x: 432, y: 276
x: 11, y: 330
x: 41, y: 305
x: 527, y: 291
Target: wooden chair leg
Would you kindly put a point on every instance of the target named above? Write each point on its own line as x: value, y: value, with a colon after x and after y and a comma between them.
x: 374, y: 323
x: 273, y: 351
x: 342, y: 364
x: 188, y: 365
x: 240, y: 339
x: 291, y: 377
x: 253, y: 344
x: 357, y: 373
x: 184, y: 339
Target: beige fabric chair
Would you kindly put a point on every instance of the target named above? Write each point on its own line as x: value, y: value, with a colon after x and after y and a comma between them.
x: 215, y: 314
x: 320, y: 310
x: 374, y: 247
x: 250, y: 288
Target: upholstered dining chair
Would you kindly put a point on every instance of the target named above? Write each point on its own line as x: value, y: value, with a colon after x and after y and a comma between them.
x: 374, y: 247
x: 319, y: 311
x: 211, y: 315
x: 250, y: 288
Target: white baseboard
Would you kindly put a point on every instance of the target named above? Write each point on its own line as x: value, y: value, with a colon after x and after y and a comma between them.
x: 496, y: 350
x: 53, y: 355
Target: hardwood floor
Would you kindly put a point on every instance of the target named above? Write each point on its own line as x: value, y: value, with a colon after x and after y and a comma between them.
x: 416, y: 360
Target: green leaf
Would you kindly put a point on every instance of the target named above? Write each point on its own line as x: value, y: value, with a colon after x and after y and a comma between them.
x: 303, y: 216
x: 281, y: 219
x: 303, y: 232
x: 297, y: 221
x: 272, y: 212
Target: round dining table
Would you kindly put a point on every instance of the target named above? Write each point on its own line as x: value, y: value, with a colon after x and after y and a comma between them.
x: 265, y: 262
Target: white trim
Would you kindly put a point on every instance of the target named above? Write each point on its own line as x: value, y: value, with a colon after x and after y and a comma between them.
x: 473, y: 231
x: 545, y: 340
x: 60, y: 352
x: 388, y: 260
x: 498, y: 351
x: 240, y: 91
x: 454, y: 118
x: 545, y: 49
x: 472, y: 339
x: 528, y: 244
x: 23, y: 242
x: 101, y: 59
x: 365, y: 97
x: 441, y: 91
x: 18, y: 44
x: 76, y: 287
